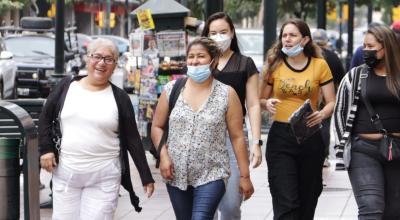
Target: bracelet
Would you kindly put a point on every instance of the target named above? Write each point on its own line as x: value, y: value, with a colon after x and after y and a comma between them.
x: 245, y: 177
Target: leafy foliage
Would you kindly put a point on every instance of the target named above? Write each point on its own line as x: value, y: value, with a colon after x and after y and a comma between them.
x: 239, y: 9
x: 11, y: 4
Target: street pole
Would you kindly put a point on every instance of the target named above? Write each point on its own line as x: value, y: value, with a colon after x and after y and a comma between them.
x: 350, y: 27
x: 370, y: 9
x: 127, y: 17
x: 213, y: 6
x: 339, y: 45
x: 270, y: 15
x: 59, y: 51
x: 321, y: 12
x: 107, y: 17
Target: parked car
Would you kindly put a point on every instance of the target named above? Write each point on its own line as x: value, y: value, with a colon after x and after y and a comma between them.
x: 251, y: 44
x: 122, y: 43
x: 33, y: 49
x: 8, y: 72
x: 81, y: 41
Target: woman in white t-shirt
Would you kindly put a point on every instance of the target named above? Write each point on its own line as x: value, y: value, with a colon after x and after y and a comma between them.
x: 97, y: 124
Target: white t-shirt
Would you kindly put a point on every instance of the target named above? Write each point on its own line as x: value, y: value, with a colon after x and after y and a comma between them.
x: 89, y: 125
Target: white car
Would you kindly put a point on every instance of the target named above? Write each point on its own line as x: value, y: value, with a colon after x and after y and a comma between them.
x: 251, y: 44
x: 8, y: 70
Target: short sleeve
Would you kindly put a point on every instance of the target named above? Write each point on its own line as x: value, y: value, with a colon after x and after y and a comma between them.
x: 270, y: 78
x: 251, y: 68
x: 325, y: 74
x: 168, y: 88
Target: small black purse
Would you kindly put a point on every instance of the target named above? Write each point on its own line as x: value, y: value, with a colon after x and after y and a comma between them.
x: 389, y: 146
x: 56, y: 137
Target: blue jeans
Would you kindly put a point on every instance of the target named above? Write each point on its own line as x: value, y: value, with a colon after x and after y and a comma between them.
x: 375, y: 182
x: 196, y: 203
x: 229, y: 207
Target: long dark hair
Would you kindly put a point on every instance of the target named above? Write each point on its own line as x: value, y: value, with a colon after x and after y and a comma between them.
x: 275, y: 56
x: 387, y: 38
x: 221, y: 15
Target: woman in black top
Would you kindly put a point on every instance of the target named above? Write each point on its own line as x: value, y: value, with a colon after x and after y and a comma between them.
x: 375, y: 180
x: 240, y: 72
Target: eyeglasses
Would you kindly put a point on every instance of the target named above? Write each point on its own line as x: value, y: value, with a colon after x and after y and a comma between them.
x: 98, y: 58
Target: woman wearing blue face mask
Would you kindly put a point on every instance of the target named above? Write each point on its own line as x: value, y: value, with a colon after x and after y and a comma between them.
x: 194, y: 162
x: 240, y: 72
x: 296, y: 72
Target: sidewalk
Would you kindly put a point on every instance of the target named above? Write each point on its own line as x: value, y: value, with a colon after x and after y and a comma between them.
x: 336, y: 202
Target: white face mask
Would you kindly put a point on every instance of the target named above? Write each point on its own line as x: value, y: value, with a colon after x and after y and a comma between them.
x: 223, y: 41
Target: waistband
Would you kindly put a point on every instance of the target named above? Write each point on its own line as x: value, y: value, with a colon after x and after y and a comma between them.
x: 281, y: 124
x: 367, y: 140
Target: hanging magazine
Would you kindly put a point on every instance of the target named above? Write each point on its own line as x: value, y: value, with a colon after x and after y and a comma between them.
x: 298, y: 123
x: 171, y: 43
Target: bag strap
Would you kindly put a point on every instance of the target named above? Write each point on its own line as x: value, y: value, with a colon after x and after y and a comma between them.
x: 173, y: 97
x: 374, y: 116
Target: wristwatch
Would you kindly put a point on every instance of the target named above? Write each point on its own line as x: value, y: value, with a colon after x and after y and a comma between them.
x: 258, y: 141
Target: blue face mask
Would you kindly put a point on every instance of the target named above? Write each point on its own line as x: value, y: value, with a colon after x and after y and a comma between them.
x: 199, y: 73
x: 294, y: 51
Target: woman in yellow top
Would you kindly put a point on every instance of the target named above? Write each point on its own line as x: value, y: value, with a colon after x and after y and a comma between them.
x: 295, y: 72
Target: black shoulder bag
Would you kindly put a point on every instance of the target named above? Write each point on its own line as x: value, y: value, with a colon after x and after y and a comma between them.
x: 176, y: 90
x: 389, y: 146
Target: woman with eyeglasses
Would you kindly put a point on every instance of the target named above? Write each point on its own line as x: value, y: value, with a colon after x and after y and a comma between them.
x: 96, y: 123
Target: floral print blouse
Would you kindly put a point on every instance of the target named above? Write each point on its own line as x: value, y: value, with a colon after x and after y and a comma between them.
x: 197, y: 140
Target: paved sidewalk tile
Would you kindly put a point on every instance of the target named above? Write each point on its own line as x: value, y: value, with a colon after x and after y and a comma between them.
x: 336, y: 202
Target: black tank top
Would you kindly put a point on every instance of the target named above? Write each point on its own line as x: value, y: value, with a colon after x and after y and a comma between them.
x: 385, y: 104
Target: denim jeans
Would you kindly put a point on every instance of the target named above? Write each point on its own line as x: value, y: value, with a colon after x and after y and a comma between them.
x: 375, y: 182
x: 196, y: 203
x: 294, y: 173
x: 229, y: 207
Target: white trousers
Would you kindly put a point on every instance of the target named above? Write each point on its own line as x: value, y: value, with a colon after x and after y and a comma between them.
x: 91, y: 195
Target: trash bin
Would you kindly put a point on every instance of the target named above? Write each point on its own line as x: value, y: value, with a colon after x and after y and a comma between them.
x: 9, y: 178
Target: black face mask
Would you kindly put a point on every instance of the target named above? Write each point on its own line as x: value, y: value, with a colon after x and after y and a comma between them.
x: 370, y: 58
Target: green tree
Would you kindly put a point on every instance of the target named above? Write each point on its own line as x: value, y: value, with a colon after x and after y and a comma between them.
x: 11, y: 5
x: 239, y: 9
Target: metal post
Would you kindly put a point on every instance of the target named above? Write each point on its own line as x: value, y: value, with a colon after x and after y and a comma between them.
x: 127, y: 18
x: 59, y: 59
x: 59, y: 65
x: 350, y: 25
x: 321, y: 12
x: 107, y: 17
x: 30, y: 157
x: 340, y: 44
x: 213, y: 6
x: 270, y: 15
x: 370, y: 9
